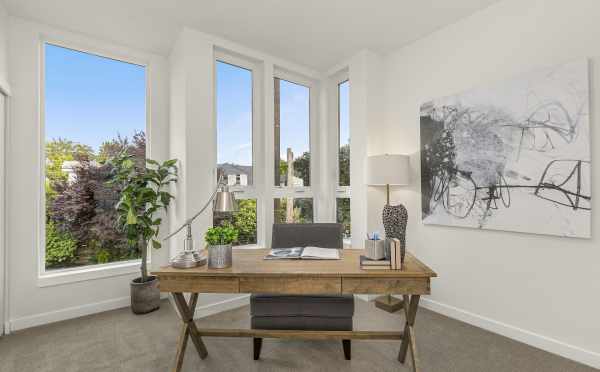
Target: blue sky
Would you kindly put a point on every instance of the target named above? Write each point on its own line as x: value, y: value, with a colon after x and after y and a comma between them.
x: 234, y: 116
x: 90, y: 99
x: 344, y: 107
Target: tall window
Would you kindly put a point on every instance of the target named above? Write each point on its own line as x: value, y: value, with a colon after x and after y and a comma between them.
x: 343, y: 191
x: 234, y: 107
x: 94, y: 107
x: 344, y: 133
x: 234, y: 123
x: 292, y: 134
x: 292, y: 152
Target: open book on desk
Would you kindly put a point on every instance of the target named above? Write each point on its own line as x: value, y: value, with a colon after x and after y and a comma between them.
x: 305, y: 253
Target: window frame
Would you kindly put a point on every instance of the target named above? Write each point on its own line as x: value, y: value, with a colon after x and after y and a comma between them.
x: 253, y: 191
x: 96, y: 271
x: 304, y: 192
x: 339, y: 192
x: 235, y: 61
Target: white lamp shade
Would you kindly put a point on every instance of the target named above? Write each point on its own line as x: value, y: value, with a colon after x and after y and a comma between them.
x: 388, y: 169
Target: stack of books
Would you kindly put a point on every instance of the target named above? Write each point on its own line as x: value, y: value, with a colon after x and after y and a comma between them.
x: 394, y: 263
x: 369, y: 264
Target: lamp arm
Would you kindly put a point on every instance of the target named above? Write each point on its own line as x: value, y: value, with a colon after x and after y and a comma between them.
x: 189, y: 221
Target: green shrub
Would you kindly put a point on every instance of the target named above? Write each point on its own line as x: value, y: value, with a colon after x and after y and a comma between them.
x: 103, y: 256
x: 221, y: 235
x: 245, y: 221
x: 60, y: 247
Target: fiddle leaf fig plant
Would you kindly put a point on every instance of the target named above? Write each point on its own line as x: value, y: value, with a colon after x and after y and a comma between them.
x: 143, y: 195
x: 221, y: 235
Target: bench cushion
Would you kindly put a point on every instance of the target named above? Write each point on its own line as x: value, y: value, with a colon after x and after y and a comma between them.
x: 326, y: 306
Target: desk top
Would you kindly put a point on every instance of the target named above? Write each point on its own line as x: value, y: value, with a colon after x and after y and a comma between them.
x: 251, y: 262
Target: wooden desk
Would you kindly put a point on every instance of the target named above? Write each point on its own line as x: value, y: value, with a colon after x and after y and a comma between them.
x: 250, y: 273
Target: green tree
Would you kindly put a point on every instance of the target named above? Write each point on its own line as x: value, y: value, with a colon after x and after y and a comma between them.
x: 60, y: 150
x: 343, y: 214
x: 143, y: 195
x: 244, y: 221
x: 60, y: 247
x: 344, y: 165
x: 302, y: 168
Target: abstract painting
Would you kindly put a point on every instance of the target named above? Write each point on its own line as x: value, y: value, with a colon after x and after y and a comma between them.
x: 514, y: 156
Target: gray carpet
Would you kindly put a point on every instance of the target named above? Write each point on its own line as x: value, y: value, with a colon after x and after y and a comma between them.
x: 120, y: 341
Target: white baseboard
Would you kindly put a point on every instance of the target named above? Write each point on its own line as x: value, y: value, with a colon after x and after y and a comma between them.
x: 67, y: 313
x: 217, y: 307
x: 548, y: 344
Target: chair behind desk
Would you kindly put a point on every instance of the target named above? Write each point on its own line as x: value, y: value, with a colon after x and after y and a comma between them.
x: 324, y: 235
x: 307, y: 312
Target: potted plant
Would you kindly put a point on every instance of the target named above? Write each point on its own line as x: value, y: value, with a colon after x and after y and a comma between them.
x: 143, y: 196
x: 219, y: 241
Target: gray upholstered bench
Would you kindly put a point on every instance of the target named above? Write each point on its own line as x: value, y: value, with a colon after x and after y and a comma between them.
x: 306, y: 312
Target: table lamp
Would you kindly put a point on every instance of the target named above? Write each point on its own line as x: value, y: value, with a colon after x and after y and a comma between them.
x: 223, y: 201
x: 391, y: 170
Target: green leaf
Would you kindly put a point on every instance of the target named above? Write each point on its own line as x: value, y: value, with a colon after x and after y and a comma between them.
x: 170, y: 163
x: 131, y: 217
x: 128, y: 163
x: 156, y: 244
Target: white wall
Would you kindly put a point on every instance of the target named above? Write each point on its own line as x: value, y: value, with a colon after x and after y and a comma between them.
x: 5, y: 89
x: 539, y: 289
x: 3, y: 46
x: 29, y: 302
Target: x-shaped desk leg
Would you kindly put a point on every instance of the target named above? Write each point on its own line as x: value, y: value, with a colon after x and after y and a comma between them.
x: 411, y: 304
x: 186, y: 310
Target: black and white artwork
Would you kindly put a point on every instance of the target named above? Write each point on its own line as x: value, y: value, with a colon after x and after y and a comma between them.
x: 514, y: 156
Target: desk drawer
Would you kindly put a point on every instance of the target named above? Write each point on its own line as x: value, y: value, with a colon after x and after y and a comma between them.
x: 198, y: 284
x: 385, y: 286
x: 290, y: 285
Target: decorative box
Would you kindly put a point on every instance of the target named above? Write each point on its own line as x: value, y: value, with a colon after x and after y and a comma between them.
x: 375, y: 249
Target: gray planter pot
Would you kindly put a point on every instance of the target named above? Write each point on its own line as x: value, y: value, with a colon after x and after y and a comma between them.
x: 219, y: 256
x: 145, y: 297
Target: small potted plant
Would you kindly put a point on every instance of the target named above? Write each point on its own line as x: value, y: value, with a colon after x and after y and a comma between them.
x: 219, y: 241
x: 143, y: 195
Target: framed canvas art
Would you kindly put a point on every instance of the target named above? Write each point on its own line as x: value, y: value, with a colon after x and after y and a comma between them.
x: 513, y: 156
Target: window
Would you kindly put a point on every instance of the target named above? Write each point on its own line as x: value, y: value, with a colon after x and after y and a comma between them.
x: 292, y: 134
x: 343, y: 178
x: 344, y: 134
x: 234, y: 123
x: 234, y: 84
x: 293, y: 210
x: 292, y: 153
x: 244, y: 221
x: 94, y: 107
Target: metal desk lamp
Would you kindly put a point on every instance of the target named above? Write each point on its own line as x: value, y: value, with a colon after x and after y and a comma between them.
x: 223, y: 201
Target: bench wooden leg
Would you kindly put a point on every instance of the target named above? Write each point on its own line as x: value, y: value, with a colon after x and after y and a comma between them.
x: 411, y: 305
x: 188, y: 329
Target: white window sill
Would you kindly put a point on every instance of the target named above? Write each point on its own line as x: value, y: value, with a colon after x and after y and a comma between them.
x: 247, y: 246
x: 80, y: 274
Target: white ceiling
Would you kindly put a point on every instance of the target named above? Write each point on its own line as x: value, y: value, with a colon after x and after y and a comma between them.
x: 315, y: 33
